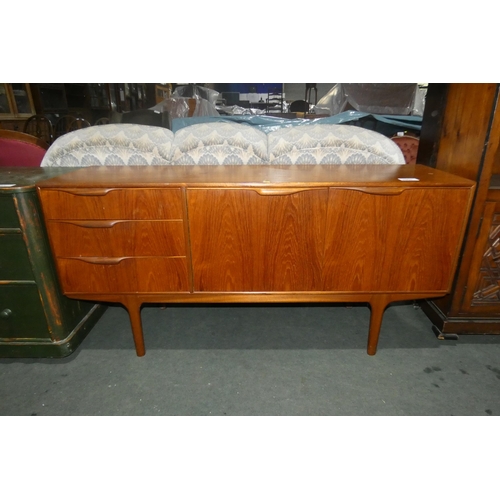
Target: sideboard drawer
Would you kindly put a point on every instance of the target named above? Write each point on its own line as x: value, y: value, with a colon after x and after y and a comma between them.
x: 14, y: 259
x: 117, y: 238
x: 123, y: 275
x: 8, y: 215
x: 21, y: 313
x: 113, y: 203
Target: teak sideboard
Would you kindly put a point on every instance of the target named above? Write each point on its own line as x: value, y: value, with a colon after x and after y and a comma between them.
x: 165, y: 234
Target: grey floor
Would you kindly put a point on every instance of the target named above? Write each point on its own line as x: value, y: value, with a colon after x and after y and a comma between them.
x: 260, y: 360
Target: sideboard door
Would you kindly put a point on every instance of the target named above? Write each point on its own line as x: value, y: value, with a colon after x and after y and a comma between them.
x: 401, y: 240
x: 254, y: 240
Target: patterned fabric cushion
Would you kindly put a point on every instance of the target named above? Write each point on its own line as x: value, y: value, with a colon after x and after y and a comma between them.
x: 219, y: 143
x: 331, y: 144
x: 113, y: 144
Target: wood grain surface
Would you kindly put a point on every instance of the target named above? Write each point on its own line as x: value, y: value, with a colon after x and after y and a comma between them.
x: 360, y: 233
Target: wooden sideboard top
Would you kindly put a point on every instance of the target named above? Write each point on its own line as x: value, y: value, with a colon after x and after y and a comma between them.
x: 304, y: 176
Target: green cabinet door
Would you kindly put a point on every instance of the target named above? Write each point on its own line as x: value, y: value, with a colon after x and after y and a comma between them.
x: 21, y: 313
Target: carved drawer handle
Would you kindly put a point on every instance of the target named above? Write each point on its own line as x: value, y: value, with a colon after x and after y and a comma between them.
x: 6, y: 313
x: 385, y: 191
x: 88, y: 191
x: 106, y: 224
x: 280, y: 191
x: 105, y: 261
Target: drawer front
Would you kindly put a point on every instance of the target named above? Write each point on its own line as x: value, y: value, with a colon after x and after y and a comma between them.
x: 117, y: 238
x: 123, y: 275
x: 21, y: 313
x: 134, y: 204
x: 14, y: 259
x: 8, y: 214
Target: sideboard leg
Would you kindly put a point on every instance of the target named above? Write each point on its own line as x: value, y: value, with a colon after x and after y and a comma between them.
x: 378, y: 303
x: 134, y: 310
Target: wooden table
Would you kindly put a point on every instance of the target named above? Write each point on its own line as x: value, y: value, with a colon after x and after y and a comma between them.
x: 169, y: 234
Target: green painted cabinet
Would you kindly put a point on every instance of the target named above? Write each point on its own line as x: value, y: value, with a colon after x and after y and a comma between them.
x: 36, y: 320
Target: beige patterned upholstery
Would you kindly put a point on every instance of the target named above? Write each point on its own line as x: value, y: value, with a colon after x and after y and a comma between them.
x: 331, y: 144
x: 219, y: 143
x: 112, y: 144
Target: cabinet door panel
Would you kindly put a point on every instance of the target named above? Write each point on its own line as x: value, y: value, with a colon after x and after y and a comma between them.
x: 243, y: 240
x: 135, y: 204
x: 393, y: 242
x: 128, y: 275
x: 117, y: 238
x: 482, y: 295
x: 14, y: 259
x: 21, y: 313
x: 8, y: 214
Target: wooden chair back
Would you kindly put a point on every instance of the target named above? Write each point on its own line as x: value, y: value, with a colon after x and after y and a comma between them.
x: 40, y: 126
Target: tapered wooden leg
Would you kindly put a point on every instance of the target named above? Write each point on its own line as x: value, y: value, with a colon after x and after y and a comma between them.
x: 378, y: 303
x: 134, y: 310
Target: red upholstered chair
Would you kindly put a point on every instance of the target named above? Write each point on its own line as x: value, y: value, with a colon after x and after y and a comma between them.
x: 409, y: 146
x: 21, y: 150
